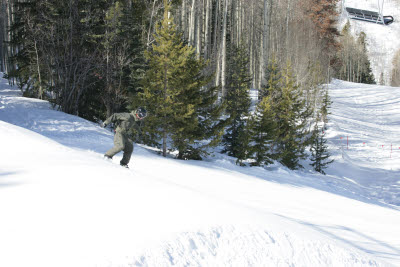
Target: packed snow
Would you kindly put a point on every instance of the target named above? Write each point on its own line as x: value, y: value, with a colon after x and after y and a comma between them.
x: 62, y: 204
x: 383, y: 41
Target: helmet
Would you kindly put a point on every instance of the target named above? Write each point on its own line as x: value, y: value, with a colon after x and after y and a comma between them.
x: 141, y: 113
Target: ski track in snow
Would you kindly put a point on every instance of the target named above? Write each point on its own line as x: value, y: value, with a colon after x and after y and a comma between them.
x: 63, y: 205
x: 368, y: 116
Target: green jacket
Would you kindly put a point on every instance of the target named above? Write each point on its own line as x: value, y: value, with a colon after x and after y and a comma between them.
x: 124, y: 122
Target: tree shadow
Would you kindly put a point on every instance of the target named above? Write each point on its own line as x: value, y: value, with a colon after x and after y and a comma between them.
x: 301, y: 178
x: 363, y: 241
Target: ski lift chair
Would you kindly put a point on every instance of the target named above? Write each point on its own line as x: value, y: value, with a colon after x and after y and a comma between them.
x: 369, y: 16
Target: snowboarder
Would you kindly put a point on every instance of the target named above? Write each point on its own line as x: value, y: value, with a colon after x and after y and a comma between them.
x: 123, y: 124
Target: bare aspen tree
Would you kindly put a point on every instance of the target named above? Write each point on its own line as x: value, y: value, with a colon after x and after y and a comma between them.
x: 192, y: 21
x: 199, y: 26
x: 216, y: 26
x: 217, y: 46
x: 152, y: 14
x: 207, y: 29
x: 265, y: 42
x: 223, y: 49
x: 183, y: 17
x: 287, y: 28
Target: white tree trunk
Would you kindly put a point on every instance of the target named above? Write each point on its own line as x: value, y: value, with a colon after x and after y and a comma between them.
x: 192, y: 23
x: 150, y: 26
x: 199, y: 25
x: 265, y: 41
x: 223, y: 50
x: 251, y: 47
x: 287, y: 28
x: 183, y: 18
x: 207, y: 30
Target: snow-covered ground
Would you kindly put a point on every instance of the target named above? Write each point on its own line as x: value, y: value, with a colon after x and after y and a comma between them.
x: 382, y: 41
x: 62, y: 204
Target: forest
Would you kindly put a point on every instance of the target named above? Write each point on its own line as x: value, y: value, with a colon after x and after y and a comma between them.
x: 243, y: 75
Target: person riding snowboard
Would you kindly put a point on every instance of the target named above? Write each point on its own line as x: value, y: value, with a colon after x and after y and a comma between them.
x: 123, y: 124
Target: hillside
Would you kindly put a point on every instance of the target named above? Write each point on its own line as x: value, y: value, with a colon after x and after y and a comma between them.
x: 382, y: 41
x: 62, y: 204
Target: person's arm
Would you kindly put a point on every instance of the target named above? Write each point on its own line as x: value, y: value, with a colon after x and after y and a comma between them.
x: 108, y: 121
x: 112, y: 119
x: 116, y: 118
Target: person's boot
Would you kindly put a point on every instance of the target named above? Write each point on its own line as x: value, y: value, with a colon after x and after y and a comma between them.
x: 124, y: 165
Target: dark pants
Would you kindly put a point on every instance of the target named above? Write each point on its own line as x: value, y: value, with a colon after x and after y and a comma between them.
x: 121, y: 143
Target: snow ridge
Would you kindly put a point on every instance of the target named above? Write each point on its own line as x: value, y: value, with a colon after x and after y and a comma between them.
x: 62, y: 204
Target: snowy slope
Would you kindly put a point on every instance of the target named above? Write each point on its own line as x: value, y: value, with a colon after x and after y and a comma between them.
x: 365, y: 132
x: 382, y: 41
x: 62, y: 204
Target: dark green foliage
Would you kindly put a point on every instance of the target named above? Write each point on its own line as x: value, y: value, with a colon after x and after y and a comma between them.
x: 238, y: 100
x: 28, y: 25
x: 262, y: 129
x: 273, y: 78
x: 366, y: 75
x: 121, y: 64
x: 278, y: 128
x: 182, y: 110
x: 88, y: 58
x: 319, y: 151
x: 83, y: 56
x: 326, y: 104
x: 291, y: 121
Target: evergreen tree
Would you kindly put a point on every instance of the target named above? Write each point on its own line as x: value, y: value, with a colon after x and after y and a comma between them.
x: 326, y: 104
x: 238, y: 100
x: 273, y: 78
x: 291, y: 119
x: 182, y: 108
x: 262, y: 129
x: 366, y: 75
x: 30, y: 27
x: 319, y: 151
x: 120, y: 59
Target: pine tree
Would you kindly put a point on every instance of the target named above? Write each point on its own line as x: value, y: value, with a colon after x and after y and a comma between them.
x: 291, y: 119
x: 182, y: 107
x: 120, y: 61
x: 326, y: 104
x: 366, y: 75
x: 273, y: 78
x: 238, y: 105
x: 262, y: 129
x: 30, y: 30
x: 319, y: 151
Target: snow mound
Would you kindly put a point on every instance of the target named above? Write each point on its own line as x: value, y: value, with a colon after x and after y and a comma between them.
x: 62, y: 204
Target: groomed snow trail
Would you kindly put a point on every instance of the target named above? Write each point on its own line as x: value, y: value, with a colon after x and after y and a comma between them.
x: 61, y: 204
x: 365, y: 135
